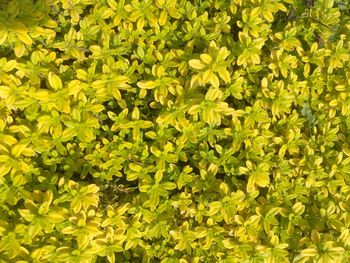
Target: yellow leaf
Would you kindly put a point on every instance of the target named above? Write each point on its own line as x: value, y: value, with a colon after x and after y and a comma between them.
x: 152, y: 20
x: 195, y: 81
x: 264, y: 82
x: 132, y: 176
x: 42, y: 95
x: 163, y: 18
x: 55, y: 217
x: 225, y: 75
x: 223, y: 54
x: 282, y: 151
x: 262, y: 179
x: 91, y: 188
x: 346, y: 151
x: 17, y: 149
x: 74, y: 87
x: 255, y: 58
x: 333, y: 103
x: 69, y: 230
x: 306, y: 70
x: 55, y: 81
x: 74, y: 16
x: 207, y: 75
x: 214, y: 208
x: 159, y: 176
x: 28, y: 152
x: 196, y: 64
x: 25, y: 38
x: 213, y: 94
x: 268, y: 15
x: 228, y: 243
x: 4, y: 91
x: 213, y: 169
x: 309, y: 252
x: 81, y: 74
x: 140, y: 24
x: 194, y: 109
x: 112, y: 4
x: 116, y: 93
x: 68, y: 134
x: 146, y: 85
x: 160, y: 3
x: 4, y: 169
x: 214, y: 80
x: 19, y: 49
x: 135, y: 167
x: 206, y: 58
x: 3, y: 36
x: 4, y: 158
x: 281, y: 6
x: 298, y: 208
x: 242, y: 59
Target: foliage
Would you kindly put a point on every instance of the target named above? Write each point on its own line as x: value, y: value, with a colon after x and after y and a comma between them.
x: 174, y: 131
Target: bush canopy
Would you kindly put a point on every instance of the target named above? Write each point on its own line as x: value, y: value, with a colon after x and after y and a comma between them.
x: 175, y: 131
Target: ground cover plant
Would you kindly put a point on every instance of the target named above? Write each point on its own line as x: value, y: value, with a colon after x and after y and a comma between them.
x: 174, y: 131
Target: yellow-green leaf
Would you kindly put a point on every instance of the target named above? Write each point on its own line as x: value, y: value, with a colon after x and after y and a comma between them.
x: 68, y: 134
x: 213, y: 94
x: 196, y: 64
x: 228, y: 243
x: 146, y: 84
x: 55, y: 81
x: 25, y: 38
x: 163, y: 18
x: 268, y: 15
x: 206, y: 58
x: 309, y: 252
x: 194, y: 109
x: 3, y: 36
x: 4, y: 169
x: 225, y: 75
x: 113, y: 4
x: 214, y: 208
x: 19, y: 49
x: 135, y: 167
x: 214, y: 80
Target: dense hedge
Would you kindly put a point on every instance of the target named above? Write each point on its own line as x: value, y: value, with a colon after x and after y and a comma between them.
x: 174, y: 131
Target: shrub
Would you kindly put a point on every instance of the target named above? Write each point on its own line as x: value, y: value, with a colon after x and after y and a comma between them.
x: 174, y: 131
